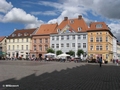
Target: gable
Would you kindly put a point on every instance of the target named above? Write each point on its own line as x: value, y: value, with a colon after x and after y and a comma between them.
x: 66, y: 29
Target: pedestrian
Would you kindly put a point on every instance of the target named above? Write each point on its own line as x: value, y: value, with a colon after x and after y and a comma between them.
x: 117, y: 61
x: 100, y: 61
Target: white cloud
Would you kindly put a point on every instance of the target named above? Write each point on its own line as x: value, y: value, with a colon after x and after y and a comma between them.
x: 50, y: 13
x: 115, y: 28
x: 5, y: 6
x: 19, y: 15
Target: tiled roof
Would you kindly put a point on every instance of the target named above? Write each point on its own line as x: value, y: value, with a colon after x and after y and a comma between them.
x: 46, y: 29
x: 1, y: 38
x: 93, y: 26
x: 22, y: 33
x: 74, y: 24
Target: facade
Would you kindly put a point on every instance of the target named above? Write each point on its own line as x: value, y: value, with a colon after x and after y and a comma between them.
x: 114, y: 48
x: 118, y: 50
x: 70, y: 35
x: 41, y: 40
x: 100, y: 41
x: 2, y: 47
x: 19, y: 43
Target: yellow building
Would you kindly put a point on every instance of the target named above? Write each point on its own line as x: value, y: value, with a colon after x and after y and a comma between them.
x: 118, y: 50
x: 100, y: 42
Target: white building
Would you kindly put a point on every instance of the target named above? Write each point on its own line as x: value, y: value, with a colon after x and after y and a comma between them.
x: 70, y: 35
x: 19, y: 43
x: 115, y: 48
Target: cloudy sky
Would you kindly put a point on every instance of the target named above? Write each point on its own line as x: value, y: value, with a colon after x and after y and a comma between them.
x: 19, y: 14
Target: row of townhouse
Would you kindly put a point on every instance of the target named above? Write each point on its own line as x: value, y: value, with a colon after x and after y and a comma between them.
x: 71, y: 34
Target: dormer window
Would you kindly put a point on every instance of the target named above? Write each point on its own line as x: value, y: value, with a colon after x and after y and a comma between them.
x: 99, y: 26
x: 13, y: 35
x: 79, y: 28
x: 71, y: 21
x: 19, y: 34
x: 58, y: 30
x: 25, y: 34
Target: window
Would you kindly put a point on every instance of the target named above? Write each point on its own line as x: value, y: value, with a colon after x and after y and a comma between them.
x: 17, y: 40
x: 34, y: 47
x: 46, y: 40
x: 9, y: 47
x: 57, y: 38
x: 79, y: 45
x: 73, y: 37
x: 58, y: 30
x: 22, y: 40
x: 46, y: 47
x: 99, y: 26
x: 106, y: 39
x: 62, y: 45
x: 40, y: 47
x: 19, y: 34
x: 13, y: 47
x: 17, y: 47
x: 67, y: 45
x: 26, y: 39
x: 13, y: 35
x: 57, y: 45
x: 71, y: 21
x: 13, y: 40
x: 106, y: 47
x: 26, y: 47
x: 79, y: 37
x: 84, y: 36
x: 22, y: 47
x: 34, y: 40
x: 100, y: 39
x: 91, y: 39
x: 79, y: 28
x: 84, y: 45
x: 73, y: 44
x: 52, y: 37
x: 52, y: 45
x: 99, y: 47
x: 97, y: 39
x: 62, y: 37
x: 67, y: 37
x: 91, y: 47
x: 40, y: 40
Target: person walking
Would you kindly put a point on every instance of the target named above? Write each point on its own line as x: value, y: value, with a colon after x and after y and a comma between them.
x: 100, y: 61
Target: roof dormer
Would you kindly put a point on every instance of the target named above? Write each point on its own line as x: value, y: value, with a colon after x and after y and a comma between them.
x: 79, y: 28
x: 99, y: 26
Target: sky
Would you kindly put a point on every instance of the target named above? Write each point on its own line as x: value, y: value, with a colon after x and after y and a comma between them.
x: 23, y: 14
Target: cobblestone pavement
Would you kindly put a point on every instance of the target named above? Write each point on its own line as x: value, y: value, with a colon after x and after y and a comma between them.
x: 35, y: 75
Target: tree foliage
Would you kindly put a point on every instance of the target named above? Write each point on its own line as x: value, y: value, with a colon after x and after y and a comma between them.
x: 79, y: 52
x: 50, y: 50
x: 71, y: 53
x: 58, y: 52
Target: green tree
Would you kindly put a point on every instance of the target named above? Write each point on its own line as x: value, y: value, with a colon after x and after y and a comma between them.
x: 79, y: 52
x: 50, y: 50
x: 71, y: 53
x: 58, y: 52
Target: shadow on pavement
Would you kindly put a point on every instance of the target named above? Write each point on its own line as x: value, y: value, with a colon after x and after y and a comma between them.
x: 87, y: 77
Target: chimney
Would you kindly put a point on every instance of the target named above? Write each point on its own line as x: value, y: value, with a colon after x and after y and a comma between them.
x: 65, y: 18
x: 79, y: 16
x: 15, y: 29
